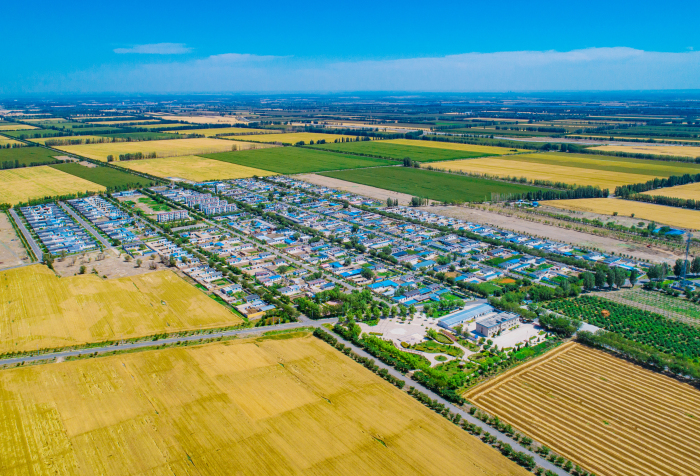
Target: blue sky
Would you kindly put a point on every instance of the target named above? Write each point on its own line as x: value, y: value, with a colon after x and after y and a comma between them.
x: 175, y: 46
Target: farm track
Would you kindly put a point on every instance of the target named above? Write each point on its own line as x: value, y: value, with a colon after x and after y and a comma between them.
x: 606, y: 414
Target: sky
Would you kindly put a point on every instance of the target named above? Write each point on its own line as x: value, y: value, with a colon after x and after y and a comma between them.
x: 276, y: 47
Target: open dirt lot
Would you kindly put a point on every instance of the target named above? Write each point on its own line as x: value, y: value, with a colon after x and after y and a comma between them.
x: 266, y: 406
x: 610, y: 416
x: 364, y: 190
x: 40, y: 310
x: 12, y: 252
x: 108, y: 264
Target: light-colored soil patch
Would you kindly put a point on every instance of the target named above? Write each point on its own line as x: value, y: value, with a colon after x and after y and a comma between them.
x: 364, y: 190
x: 12, y: 252
x: 610, y: 416
x: 555, y: 233
x: 673, y: 150
x: 108, y: 264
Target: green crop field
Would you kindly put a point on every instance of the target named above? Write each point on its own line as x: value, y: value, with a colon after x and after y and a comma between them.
x: 433, y: 185
x: 295, y: 160
x: 138, y: 136
x: 390, y: 150
x: 28, y: 156
x: 106, y: 176
x: 32, y: 134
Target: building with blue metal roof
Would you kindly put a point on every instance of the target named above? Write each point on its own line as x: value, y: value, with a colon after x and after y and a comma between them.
x: 459, y: 317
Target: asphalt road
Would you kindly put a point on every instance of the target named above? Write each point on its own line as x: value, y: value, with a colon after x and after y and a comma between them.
x: 27, y: 236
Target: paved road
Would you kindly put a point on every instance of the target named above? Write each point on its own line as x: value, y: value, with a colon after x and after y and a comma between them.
x: 27, y: 236
x: 171, y: 340
x: 465, y: 415
x: 86, y: 225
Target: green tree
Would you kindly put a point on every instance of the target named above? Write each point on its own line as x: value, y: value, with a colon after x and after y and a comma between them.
x: 634, y: 276
x: 695, y: 265
x: 620, y: 277
x: 588, y: 280
x: 367, y: 273
x: 599, y: 277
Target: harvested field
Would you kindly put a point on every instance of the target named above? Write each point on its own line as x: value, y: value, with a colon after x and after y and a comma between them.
x: 433, y: 185
x: 39, y: 310
x: 663, y: 215
x: 20, y: 185
x: 295, y: 160
x: 689, y: 191
x: 267, y: 406
x: 226, y: 131
x: 4, y: 141
x: 388, y: 150
x: 573, y: 168
x: 127, y: 123
x: 106, y: 176
x: 293, y: 138
x: 193, y: 168
x: 482, y: 149
x: 15, y: 127
x: 357, y: 188
x: 610, y: 416
x: 672, y: 150
x: 162, y: 148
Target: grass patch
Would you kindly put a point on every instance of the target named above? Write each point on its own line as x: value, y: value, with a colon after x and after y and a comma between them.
x: 106, y: 176
x: 395, y: 151
x: 433, y: 185
x: 295, y: 160
x: 28, y: 156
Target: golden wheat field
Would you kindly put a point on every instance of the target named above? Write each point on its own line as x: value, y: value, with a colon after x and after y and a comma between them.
x: 294, y: 137
x: 42, y: 140
x: 285, y: 406
x: 673, y: 216
x: 125, y: 122
x: 19, y: 185
x: 689, y: 191
x: 40, y: 310
x: 610, y: 416
x: 193, y: 168
x: 225, y: 131
x: 5, y: 141
x: 15, y: 127
x: 486, y: 149
x: 162, y: 148
x: 673, y: 150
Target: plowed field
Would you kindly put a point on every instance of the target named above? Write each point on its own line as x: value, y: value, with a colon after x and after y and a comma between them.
x: 609, y: 416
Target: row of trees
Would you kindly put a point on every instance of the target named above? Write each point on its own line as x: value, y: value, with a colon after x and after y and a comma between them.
x: 625, y: 191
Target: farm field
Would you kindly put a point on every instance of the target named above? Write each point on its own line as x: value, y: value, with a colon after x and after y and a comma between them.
x: 387, y: 150
x: 690, y: 191
x: 432, y: 185
x: 124, y: 122
x: 162, y: 148
x: 573, y: 168
x: 200, y: 119
x: 226, y: 131
x: 14, y: 127
x: 484, y: 149
x: 193, y: 168
x: 4, y: 141
x: 42, y: 140
x: 671, y: 307
x: 106, y: 176
x: 40, y: 310
x: 33, y: 133
x: 673, y: 150
x: 138, y: 135
x: 285, y: 406
x: 28, y: 155
x: 20, y: 185
x: 294, y: 137
x: 608, y: 415
x: 296, y: 160
x: 672, y: 216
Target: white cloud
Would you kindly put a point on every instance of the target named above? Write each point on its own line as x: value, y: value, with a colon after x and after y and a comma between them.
x: 155, y: 49
x: 617, y: 68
